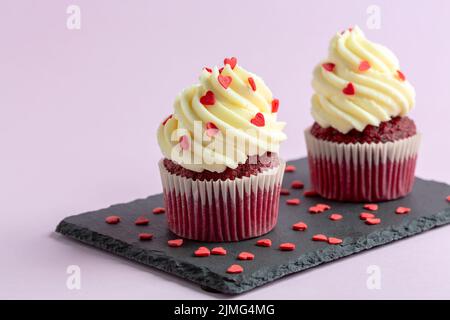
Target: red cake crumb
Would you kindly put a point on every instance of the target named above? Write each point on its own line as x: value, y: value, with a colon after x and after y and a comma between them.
x: 253, y: 166
x: 395, y: 129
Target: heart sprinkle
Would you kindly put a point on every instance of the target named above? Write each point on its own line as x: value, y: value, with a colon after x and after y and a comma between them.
x: 371, y: 207
x: 258, y: 120
x: 400, y: 75
x: 224, y: 81
x: 372, y: 221
x: 297, y: 184
x: 364, y: 66
x: 252, y: 83
x: 159, y: 210
x: 319, y: 237
x: 332, y: 240
x: 285, y: 192
x: 323, y: 206
x: 184, y: 142
x: 275, y: 105
x: 349, y: 89
x: 290, y: 168
x: 112, y: 220
x: 246, y: 256
x: 287, y: 246
x: 315, y: 209
x: 202, y: 252
x: 167, y: 119
x: 145, y: 236
x: 366, y: 215
x: 211, y: 129
x: 329, y: 66
x: 300, y: 226
x: 336, y: 217
x: 208, y: 69
x: 208, y: 99
x: 448, y: 198
x: 231, y: 61
x: 402, y: 210
x: 264, y: 243
x: 175, y: 243
x: 293, y: 201
x: 221, y: 69
x: 141, y: 221
x: 235, y: 268
x: 218, y: 251
x: 310, y: 193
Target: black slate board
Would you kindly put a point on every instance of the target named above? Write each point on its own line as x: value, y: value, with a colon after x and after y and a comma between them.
x: 429, y: 209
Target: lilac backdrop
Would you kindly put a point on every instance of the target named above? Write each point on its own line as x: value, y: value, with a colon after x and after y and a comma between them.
x: 79, y: 110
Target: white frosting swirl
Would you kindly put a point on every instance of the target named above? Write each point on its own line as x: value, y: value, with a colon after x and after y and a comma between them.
x: 232, y: 114
x: 380, y: 92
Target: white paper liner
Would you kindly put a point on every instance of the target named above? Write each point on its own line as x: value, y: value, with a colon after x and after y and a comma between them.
x: 229, y: 210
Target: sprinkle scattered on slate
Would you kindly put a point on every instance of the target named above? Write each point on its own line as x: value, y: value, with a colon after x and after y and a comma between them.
x: 112, y: 219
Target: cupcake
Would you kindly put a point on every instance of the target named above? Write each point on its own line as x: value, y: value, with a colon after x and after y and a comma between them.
x: 221, y: 173
x: 362, y: 146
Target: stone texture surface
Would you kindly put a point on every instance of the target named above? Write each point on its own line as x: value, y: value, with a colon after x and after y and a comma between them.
x: 429, y: 209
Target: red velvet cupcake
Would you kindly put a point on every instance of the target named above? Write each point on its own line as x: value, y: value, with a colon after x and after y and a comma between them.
x: 221, y: 173
x: 362, y: 146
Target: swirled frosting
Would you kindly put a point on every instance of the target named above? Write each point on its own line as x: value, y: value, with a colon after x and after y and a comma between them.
x: 360, y: 83
x: 221, y: 121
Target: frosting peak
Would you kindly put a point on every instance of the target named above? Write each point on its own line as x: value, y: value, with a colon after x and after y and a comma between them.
x: 221, y: 121
x: 359, y: 84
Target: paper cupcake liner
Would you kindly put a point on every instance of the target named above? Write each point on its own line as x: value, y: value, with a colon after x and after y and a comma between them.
x: 362, y: 171
x: 222, y: 211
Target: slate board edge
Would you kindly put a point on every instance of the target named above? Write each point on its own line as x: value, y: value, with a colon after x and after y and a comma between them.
x: 242, y: 283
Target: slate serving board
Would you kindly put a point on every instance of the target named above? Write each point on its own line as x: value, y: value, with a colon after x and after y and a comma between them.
x: 429, y: 209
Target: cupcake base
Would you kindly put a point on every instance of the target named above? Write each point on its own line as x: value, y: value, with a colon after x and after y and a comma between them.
x: 362, y: 172
x: 222, y: 211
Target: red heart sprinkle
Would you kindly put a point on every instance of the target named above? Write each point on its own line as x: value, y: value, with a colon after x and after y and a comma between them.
x: 275, y: 105
x: 285, y: 192
x: 336, y: 217
x: 208, y: 99
x: 290, y: 168
x: 349, y: 89
x: 246, y: 256
x: 366, y: 215
x: 329, y: 66
x: 300, y: 226
x: 252, y: 83
x: 208, y: 69
x: 323, y: 206
x: 221, y: 69
x: 319, y: 237
x: 231, y: 61
x: 235, y: 268
x: 219, y: 251
x: 145, y: 236
x: 332, y: 240
x: 293, y: 201
x: 297, y: 184
x: 448, y: 198
x: 112, y: 219
x: 373, y: 221
x: 224, y: 81
x: 202, y: 252
x: 315, y: 209
x: 211, y: 129
x: 310, y: 193
x: 141, y: 221
x: 167, y: 119
x: 258, y: 120
x: 175, y: 243
x: 184, y: 142
x: 371, y: 207
x: 402, y: 210
x: 400, y: 75
x: 264, y: 243
x: 364, y: 66
x: 159, y: 210
x: 287, y: 246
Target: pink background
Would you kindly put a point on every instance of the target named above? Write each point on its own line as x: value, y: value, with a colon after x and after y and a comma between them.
x: 79, y: 110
